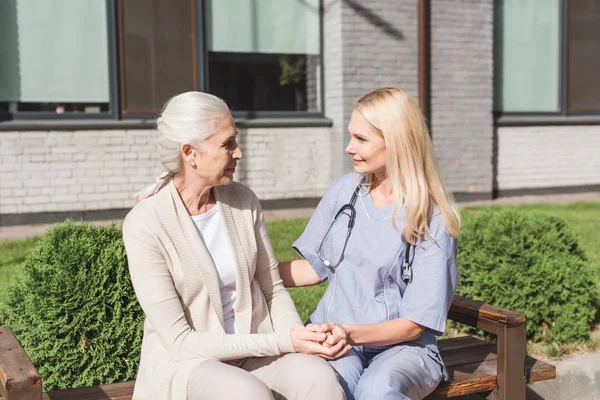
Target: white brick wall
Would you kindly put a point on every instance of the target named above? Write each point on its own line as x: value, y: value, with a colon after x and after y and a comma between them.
x: 282, y: 163
x: 74, y: 170
x: 548, y: 156
x: 98, y: 170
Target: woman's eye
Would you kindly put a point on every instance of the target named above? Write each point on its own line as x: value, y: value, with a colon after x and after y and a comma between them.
x: 361, y: 139
x: 230, y: 145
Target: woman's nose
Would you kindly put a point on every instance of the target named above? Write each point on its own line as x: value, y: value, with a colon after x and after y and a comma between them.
x: 350, y: 149
x: 237, y: 153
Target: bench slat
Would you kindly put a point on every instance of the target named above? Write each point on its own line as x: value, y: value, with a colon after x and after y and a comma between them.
x: 473, y: 369
x: 471, y: 363
x: 115, y: 391
x: 18, y: 376
x: 467, y: 379
x: 461, y: 342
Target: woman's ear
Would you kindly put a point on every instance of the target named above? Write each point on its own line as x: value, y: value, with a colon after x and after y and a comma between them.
x: 188, y: 154
x: 186, y: 150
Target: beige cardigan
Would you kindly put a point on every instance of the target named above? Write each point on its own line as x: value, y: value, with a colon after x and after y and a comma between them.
x: 177, y: 286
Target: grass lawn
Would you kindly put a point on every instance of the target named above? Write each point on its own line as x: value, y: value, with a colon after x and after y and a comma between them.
x: 12, y: 255
x: 583, y: 218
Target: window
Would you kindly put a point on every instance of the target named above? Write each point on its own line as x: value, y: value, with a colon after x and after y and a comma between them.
x: 54, y: 56
x: 547, y: 54
x: 157, y: 52
x: 114, y: 58
x: 264, y: 55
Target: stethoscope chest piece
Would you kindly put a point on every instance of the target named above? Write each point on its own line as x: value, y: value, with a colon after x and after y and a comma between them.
x: 406, y: 272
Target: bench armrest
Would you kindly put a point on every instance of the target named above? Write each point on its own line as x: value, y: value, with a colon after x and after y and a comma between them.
x: 484, y: 316
x: 509, y: 328
x: 19, y: 380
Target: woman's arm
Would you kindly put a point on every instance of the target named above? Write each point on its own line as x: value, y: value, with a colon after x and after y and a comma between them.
x: 156, y: 293
x: 281, y: 307
x: 381, y: 334
x: 297, y: 273
x: 384, y: 333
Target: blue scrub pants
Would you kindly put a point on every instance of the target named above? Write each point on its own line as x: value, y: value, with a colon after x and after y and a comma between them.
x: 400, y: 372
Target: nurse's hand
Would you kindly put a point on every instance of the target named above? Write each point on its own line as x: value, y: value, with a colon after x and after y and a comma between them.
x: 335, y: 334
x: 305, y: 341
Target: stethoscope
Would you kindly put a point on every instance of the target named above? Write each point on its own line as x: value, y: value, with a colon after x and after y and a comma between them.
x: 406, y: 273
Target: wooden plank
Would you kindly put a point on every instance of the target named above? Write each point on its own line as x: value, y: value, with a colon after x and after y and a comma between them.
x: 480, y: 375
x: 467, y: 379
x: 536, y: 370
x: 511, y: 363
x: 18, y: 377
x: 115, y: 391
x: 486, y: 311
x: 462, y: 342
x: 472, y: 355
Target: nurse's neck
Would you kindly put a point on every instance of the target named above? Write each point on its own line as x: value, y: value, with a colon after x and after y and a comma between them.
x: 382, y: 191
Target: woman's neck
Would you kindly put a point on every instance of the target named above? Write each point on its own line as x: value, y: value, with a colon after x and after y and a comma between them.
x: 197, y: 197
x: 382, y: 191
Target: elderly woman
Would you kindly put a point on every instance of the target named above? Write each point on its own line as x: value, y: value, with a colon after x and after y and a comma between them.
x: 219, y: 323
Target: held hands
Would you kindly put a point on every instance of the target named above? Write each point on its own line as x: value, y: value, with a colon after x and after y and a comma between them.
x: 329, y: 340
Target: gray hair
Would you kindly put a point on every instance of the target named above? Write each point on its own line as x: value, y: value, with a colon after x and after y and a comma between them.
x: 187, y: 118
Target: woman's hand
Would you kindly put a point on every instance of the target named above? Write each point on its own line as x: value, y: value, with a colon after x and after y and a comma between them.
x: 312, y: 342
x: 335, y: 333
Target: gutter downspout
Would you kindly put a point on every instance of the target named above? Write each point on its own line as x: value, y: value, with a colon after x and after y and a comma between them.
x: 424, y: 17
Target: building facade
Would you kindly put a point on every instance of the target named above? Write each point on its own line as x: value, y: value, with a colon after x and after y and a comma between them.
x: 511, y: 90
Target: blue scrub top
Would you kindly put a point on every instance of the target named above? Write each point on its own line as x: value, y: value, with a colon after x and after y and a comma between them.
x: 366, y: 287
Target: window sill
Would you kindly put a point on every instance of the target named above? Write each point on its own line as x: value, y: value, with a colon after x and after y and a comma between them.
x: 98, y: 124
x: 541, y: 120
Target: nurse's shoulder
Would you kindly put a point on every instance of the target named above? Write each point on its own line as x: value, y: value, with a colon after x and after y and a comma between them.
x: 440, y: 235
x: 341, y: 189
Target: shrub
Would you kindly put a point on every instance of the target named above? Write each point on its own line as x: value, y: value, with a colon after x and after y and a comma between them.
x: 533, y: 264
x: 74, y: 310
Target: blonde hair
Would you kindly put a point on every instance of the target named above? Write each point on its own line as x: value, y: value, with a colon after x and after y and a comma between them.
x: 410, y: 164
x: 188, y: 118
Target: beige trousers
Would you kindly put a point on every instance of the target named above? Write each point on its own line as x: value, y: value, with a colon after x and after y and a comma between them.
x: 289, y: 376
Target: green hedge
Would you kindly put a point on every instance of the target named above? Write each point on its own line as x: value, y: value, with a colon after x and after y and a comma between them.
x: 74, y: 310
x: 533, y: 264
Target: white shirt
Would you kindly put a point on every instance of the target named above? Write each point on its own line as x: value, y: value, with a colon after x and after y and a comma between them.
x: 213, y: 234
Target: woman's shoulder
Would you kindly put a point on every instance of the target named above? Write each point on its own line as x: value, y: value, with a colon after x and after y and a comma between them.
x: 238, y: 192
x: 345, y: 183
x: 141, y: 215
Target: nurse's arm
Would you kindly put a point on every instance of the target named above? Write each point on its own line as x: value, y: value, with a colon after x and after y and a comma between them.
x: 298, y: 273
x: 384, y: 333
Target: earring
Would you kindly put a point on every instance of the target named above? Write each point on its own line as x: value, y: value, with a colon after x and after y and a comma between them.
x: 193, y: 164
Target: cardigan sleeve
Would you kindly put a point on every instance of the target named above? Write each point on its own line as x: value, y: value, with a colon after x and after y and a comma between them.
x: 156, y: 293
x: 280, y: 303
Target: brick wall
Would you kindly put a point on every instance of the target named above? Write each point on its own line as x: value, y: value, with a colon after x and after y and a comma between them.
x: 548, y: 157
x: 77, y: 170
x: 367, y: 44
x: 99, y: 170
x: 462, y: 93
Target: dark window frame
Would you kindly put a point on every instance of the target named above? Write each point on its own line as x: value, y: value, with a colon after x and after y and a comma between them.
x: 117, y: 110
x: 563, y: 116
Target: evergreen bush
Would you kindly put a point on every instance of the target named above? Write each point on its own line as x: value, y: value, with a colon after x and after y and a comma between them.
x: 530, y: 263
x: 74, y: 310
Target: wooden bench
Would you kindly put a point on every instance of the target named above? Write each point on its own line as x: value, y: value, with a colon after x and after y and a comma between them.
x: 499, y: 370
